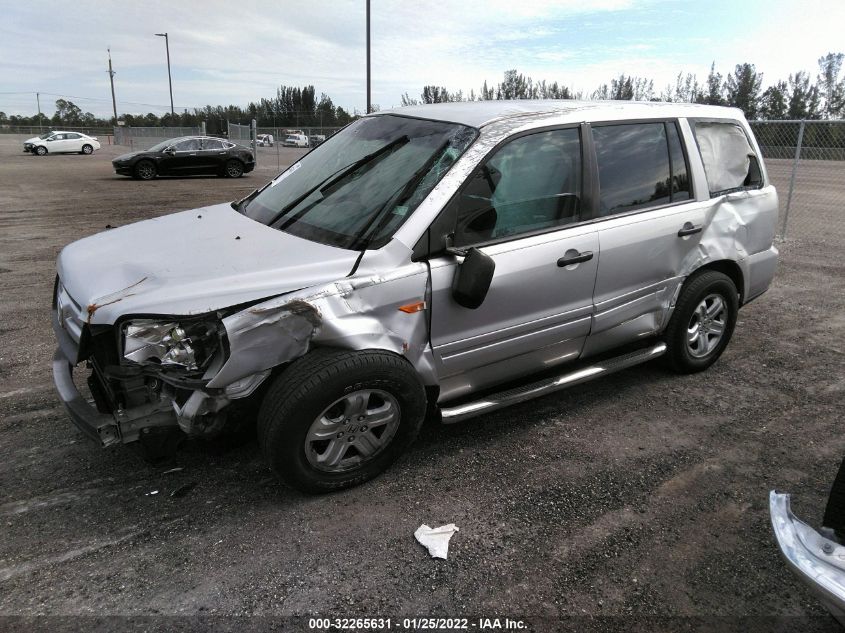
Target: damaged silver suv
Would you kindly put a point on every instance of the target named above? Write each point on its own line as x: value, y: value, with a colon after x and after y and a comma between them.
x: 450, y: 259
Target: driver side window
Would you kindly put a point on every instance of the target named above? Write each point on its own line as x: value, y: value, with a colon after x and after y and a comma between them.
x: 530, y: 184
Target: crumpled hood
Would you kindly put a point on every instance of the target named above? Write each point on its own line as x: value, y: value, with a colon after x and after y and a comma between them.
x: 190, y: 263
x: 32, y: 140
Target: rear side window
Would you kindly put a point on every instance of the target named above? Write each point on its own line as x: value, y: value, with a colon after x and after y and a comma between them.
x: 729, y: 161
x: 531, y: 184
x: 635, y: 170
x: 190, y: 145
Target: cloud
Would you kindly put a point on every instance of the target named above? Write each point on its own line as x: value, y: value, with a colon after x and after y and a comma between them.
x: 226, y: 52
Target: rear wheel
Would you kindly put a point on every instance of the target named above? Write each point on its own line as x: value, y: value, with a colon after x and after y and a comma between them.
x: 40, y: 150
x: 145, y: 170
x: 234, y: 168
x: 702, y: 323
x: 334, y: 419
x: 87, y: 149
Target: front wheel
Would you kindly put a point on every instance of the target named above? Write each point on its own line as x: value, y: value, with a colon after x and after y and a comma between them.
x: 234, y: 168
x: 702, y: 323
x: 145, y: 170
x: 40, y: 150
x: 87, y: 149
x: 334, y: 419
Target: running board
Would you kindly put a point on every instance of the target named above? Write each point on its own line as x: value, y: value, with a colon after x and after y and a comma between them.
x: 461, y: 412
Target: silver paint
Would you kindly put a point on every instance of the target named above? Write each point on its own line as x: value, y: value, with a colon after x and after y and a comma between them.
x: 300, y: 294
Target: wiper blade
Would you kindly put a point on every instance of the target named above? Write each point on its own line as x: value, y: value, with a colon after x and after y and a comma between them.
x: 332, y: 181
x: 398, y: 197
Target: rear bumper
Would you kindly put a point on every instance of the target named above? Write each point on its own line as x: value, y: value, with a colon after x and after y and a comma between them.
x: 759, y: 271
x: 818, y: 562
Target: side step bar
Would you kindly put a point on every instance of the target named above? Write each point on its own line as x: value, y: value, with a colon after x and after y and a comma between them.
x: 461, y: 412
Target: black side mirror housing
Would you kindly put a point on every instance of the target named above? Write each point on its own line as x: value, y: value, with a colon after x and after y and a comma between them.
x: 472, y: 279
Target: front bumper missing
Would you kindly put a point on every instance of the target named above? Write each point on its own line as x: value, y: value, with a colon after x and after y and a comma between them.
x: 817, y: 561
x: 122, y: 427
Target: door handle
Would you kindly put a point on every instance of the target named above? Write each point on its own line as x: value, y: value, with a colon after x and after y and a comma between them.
x: 689, y: 229
x: 575, y: 259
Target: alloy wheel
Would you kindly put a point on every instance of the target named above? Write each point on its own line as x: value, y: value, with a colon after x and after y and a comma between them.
x: 352, y: 430
x: 707, y: 325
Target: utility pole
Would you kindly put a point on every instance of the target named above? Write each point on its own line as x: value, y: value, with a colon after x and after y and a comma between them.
x: 38, y: 100
x: 368, y: 58
x: 111, y: 78
x: 169, y: 78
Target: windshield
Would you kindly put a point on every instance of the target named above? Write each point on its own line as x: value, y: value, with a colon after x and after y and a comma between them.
x: 164, y: 145
x: 357, y: 187
x: 46, y: 135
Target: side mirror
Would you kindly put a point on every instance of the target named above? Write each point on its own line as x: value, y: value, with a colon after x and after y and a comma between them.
x: 472, y: 279
x: 170, y: 151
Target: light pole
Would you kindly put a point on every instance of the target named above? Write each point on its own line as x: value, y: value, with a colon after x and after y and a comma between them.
x: 111, y: 78
x: 169, y: 78
x: 368, y: 57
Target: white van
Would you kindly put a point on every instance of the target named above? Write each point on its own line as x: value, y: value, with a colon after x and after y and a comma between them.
x: 295, y: 140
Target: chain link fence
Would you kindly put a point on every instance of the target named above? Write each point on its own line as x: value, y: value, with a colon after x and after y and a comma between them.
x: 140, y: 138
x: 240, y: 134
x: 806, y: 162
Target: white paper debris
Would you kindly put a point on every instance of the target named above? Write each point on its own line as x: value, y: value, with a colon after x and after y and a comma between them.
x: 436, y: 540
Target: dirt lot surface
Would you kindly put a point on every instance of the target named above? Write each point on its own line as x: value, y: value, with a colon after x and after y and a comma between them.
x: 641, y: 494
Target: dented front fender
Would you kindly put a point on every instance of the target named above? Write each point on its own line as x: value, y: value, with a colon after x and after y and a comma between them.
x: 355, y: 313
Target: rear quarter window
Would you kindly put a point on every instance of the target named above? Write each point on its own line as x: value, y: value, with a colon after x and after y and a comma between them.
x: 727, y: 156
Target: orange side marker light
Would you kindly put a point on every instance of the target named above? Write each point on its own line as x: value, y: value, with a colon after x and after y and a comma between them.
x: 411, y: 308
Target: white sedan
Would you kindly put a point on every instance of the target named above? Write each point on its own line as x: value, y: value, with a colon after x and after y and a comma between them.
x: 60, y: 142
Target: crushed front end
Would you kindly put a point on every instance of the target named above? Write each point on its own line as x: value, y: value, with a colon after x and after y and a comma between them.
x: 144, y: 374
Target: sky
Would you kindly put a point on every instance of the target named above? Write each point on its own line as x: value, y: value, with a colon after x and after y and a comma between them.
x: 226, y: 52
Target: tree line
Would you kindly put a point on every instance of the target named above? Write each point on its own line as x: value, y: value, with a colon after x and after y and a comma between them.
x: 290, y: 107
x: 797, y: 97
x: 800, y: 96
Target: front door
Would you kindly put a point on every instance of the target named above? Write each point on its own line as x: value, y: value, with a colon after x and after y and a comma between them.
x: 185, y: 158
x: 517, y: 208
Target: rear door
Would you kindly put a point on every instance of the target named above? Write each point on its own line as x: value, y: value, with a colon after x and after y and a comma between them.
x: 649, y: 225
x: 213, y: 155
x: 72, y: 142
x: 519, y: 207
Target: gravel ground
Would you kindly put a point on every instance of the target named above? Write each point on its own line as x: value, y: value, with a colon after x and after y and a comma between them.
x: 643, y: 494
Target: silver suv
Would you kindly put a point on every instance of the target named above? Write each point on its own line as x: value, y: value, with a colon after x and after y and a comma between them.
x: 447, y: 259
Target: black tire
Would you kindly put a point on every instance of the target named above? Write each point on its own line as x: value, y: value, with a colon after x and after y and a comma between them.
x: 144, y: 170
x: 87, y: 149
x: 40, y: 151
x: 700, y: 289
x: 234, y: 168
x: 304, y: 393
